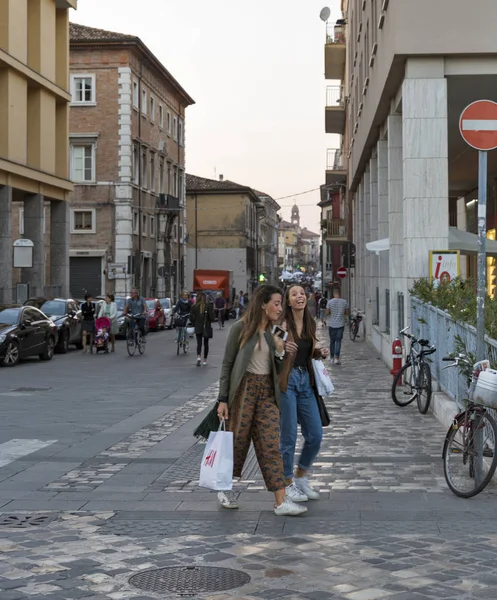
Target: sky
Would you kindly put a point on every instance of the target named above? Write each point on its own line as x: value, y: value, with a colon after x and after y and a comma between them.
x: 256, y: 72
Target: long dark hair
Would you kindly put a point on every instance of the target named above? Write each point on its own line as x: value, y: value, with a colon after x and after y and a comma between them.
x: 252, y: 318
x: 309, y: 324
x: 200, y: 302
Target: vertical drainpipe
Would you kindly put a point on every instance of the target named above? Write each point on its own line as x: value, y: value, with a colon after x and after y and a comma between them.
x: 140, y: 182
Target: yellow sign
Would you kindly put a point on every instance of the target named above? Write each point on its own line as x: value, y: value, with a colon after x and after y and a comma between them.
x: 444, y: 266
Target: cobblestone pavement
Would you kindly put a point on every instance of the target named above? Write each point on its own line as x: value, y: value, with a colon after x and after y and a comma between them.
x: 385, y: 528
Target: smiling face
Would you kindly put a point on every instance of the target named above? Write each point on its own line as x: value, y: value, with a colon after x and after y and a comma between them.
x: 273, y: 308
x: 297, y: 298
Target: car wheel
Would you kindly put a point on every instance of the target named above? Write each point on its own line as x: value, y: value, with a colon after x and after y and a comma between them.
x: 12, y: 355
x: 48, y: 354
x: 63, y: 345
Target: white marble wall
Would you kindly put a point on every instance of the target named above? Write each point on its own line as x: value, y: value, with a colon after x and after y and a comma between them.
x: 395, y: 216
x: 425, y: 165
x: 367, y: 237
x: 373, y: 203
x: 360, y: 251
x: 383, y: 227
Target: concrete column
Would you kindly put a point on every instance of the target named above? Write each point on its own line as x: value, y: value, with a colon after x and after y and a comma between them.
x: 59, y: 245
x: 367, y: 238
x: 359, y: 247
x: 373, y: 232
x: 34, y: 220
x: 395, y: 217
x: 461, y: 224
x: 355, y: 220
x: 383, y: 225
x: 6, y: 244
x: 426, y: 165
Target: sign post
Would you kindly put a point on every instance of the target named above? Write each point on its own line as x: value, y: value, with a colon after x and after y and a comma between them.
x: 478, y: 127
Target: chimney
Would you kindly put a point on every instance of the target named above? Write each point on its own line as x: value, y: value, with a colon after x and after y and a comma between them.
x: 221, y: 177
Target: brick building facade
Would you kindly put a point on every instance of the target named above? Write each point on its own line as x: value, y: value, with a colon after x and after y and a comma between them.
x: 127, y: 160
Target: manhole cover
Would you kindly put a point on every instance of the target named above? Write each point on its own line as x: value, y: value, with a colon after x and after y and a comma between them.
x: 32, y: 389
x: 25, y: 521
x: 189, y: 581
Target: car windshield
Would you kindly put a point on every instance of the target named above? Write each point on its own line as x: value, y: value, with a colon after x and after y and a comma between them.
x: 53, y: 307
x: 151, y: 304
x: 166, y: 303
x: 120, y: 302
x: 9, y: 316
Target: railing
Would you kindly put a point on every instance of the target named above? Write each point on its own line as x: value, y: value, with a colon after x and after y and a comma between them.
x: 335, y: 34
x: 437, y: 326
x: 335, y: 96
x: 335, y: 160
x: 400, y: 311
x: 387, y: 311
x: 336, y: 228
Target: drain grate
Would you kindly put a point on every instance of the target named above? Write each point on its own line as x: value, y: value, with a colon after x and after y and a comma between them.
x: 25, y: 521
x: 32, y: 389
x: 189, y: 581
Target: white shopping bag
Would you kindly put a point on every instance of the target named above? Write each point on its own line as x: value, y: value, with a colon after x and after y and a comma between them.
x: 216, y: 470
x: 323, y: 380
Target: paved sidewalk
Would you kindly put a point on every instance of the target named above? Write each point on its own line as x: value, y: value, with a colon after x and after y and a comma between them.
x: 385, y: 528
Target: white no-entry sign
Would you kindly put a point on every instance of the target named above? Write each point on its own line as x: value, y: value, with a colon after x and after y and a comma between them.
x: 478, y: 125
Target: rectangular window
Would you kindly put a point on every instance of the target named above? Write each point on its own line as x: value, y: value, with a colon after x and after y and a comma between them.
x: 83, y: 221
x: 144, y: 169
x: 181, y: 132
x: 169, y: 123
x: 152, y: 171
x: 175, y: 181
x: 152, y: 227
x: 161, y: 116
x: 175, y: 128
x: 83, y: 163
x: 144, y: 225
x: 144, y: 103
x: 136, y: 96
x: 83, y: 89
x: 180, y: 186
x: 152, y: 109
x: 135, y: 222
x: 136, y: 163
x: 161, y: 177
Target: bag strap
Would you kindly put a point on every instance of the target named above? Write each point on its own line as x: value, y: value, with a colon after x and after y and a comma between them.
x: 222, y: 425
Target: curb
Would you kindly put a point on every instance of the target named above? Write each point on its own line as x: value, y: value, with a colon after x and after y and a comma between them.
x: 443, y: 408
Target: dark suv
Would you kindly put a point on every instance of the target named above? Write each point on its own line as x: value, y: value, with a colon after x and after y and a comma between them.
x: 66, y: 314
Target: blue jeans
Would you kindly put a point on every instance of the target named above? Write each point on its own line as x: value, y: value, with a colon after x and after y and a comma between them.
x: 299, y: 405
x: 336, y: 336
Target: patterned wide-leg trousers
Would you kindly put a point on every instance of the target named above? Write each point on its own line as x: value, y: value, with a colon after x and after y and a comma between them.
x: 255, y: 417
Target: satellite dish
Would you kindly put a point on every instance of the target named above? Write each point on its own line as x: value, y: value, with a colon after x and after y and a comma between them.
x: 325, y: 14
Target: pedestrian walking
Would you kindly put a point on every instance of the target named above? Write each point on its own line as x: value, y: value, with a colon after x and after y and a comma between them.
x: 336, y: 309
x: 109, y: 309
x: 88, y: 323
x: 220, y: 306
x: 202, y: 316
x: 299, y: 403
x: 322, y: 309
x: 236, y: 306
x: 249, y: 395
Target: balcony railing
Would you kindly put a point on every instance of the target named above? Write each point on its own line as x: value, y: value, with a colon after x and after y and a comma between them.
x: 335, y: 96
x: 336, y: 228
x: 335, y: 160
x: 335, y: 34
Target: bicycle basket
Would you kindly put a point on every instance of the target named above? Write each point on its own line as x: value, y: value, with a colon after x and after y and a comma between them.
x: 486, y: 389
x: 181, y: 321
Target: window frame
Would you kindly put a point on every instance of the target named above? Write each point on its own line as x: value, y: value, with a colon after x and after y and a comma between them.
x: 181, y: 131
x: 135, y: 223
x: 83, y: 144
x: 153, y: 161
x: 152, y: 227
x: 175, y: 127
x: 144, y: 168
x: 152, y: 109
x: 93, y: 213
x: 161, y: 116
x: 136, y: 95
x: 169, y: 123
x: 144, y: 225
x: 144, y: 100
x: 74, y: 77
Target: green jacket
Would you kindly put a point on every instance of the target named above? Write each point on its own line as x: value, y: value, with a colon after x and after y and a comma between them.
x: 236, y: 361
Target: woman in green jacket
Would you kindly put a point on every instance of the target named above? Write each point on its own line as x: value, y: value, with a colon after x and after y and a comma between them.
x: 202, y: 316
x: 249, y: 395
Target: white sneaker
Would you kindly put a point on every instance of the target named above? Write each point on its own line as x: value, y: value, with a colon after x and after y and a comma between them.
x: 337, y: 361
x: 289, y: 508
x: 302, y: 484
x: 294, y: 494
x: 204, y: 363
x: 227, y: 499
x: 198, y: 361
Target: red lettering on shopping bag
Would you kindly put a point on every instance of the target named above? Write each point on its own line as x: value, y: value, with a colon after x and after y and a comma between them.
x: 210, y: 458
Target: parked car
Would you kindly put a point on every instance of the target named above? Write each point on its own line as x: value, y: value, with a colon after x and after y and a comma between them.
x: 66, y: 314
x: 167, y: 307
x: 120, y: 304
x: 156, y: 318
x: 25, y: 331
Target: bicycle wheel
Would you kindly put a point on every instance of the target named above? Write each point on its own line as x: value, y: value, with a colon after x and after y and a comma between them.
x: 469, y: 453
x: 140, y: 342
x: 403, y: 388
x: 424, y: 388
x: 353, y: 331
x: 130, y: 342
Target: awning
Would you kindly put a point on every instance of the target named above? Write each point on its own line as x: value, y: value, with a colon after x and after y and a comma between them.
x: 465, y: 242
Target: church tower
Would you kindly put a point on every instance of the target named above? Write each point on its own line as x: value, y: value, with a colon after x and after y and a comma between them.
x: 295, y: 216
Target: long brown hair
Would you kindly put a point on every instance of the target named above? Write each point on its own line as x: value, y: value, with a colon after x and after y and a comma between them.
x: 252, y: 318
x: 309, y: 324
x: 200, y: 302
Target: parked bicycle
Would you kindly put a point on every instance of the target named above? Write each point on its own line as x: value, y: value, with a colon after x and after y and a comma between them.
x: 182, y: 342
x: 413, y: 381
x: 134, y: 338
x: 356, y: 319
x: 469, y: 452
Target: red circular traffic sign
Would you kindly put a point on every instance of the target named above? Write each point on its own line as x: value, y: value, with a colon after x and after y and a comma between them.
x: 342, y: 272
x: 478, y: 125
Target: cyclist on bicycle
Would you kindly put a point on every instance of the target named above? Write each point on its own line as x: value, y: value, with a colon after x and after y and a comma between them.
x: 183, y: 308
x: 136, y: 305
x: 220, y: 306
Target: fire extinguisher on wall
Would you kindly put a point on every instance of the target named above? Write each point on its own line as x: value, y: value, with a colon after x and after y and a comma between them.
x: 397, y: 358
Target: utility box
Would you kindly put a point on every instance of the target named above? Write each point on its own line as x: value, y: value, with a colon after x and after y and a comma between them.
x: 23, y: 254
